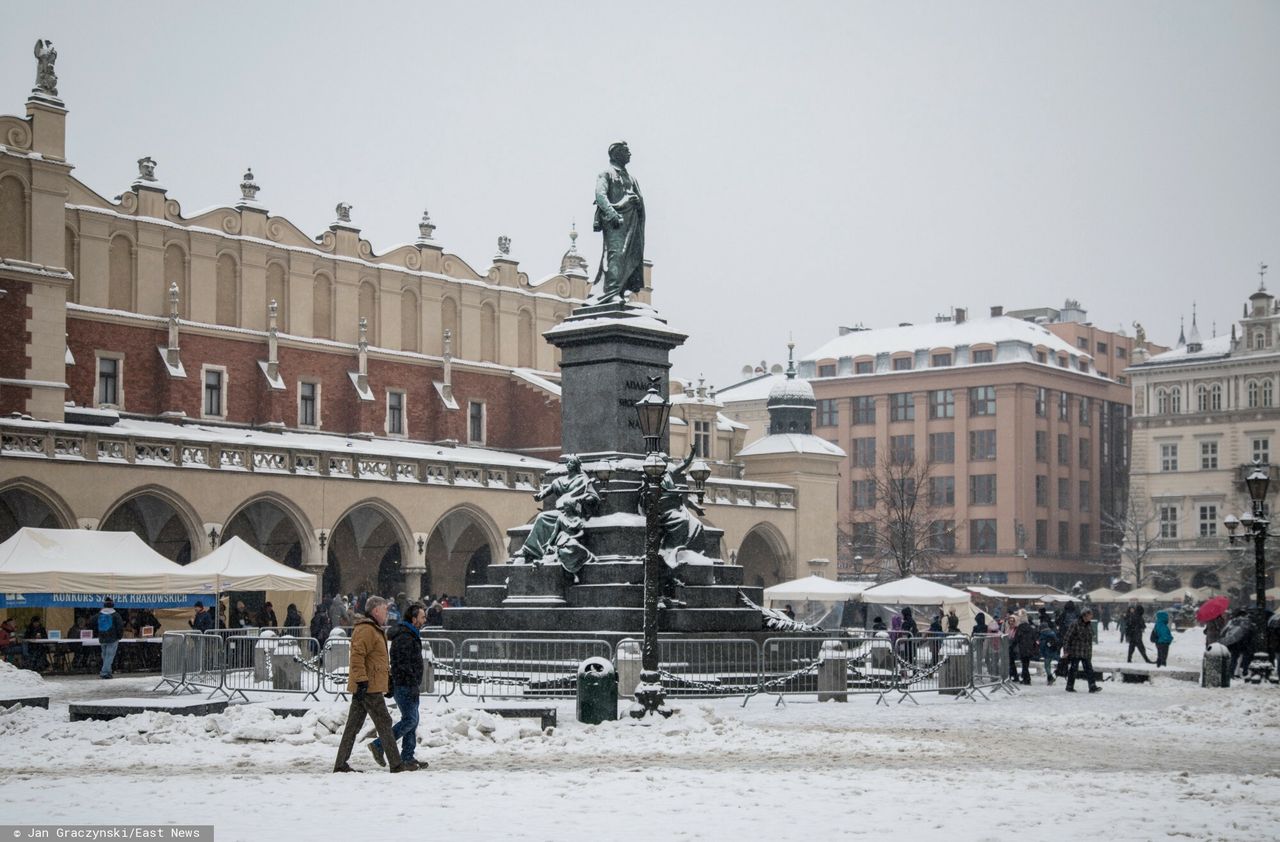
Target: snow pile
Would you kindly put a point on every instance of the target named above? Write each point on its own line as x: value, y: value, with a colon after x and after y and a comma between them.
x: 16, y: 679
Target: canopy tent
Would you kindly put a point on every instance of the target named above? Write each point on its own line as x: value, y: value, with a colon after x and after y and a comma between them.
x: 236, y: 566
x: 1058, y: 597
x: 1105, y: 595
x: 915, y: 591
x: 1148, y: 594
x: 990, y: 593
x: 815, y: 588
x: 44, y: 561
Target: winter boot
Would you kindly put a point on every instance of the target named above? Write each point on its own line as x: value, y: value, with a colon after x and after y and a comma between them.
x: 1093, y: 688
x: 378, y: 756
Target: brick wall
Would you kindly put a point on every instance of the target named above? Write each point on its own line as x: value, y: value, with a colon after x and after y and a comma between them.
x: 15, y: 311
x: 517, y: 415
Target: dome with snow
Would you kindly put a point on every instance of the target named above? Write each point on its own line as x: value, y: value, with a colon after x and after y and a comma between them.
x: 792, y: 392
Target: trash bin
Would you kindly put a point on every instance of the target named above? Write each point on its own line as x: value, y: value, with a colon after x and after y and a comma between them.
x: 630, y: 660
x: 428, y: 683
x: 1216, y: 667
x: 597, y: 691
x: 833, y: 672
x: 956, y: 672
x: 262, y: 656
x: 286, y: 672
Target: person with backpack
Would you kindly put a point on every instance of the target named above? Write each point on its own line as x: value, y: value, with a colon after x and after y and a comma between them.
x: 1162, y: 636
x: 110, y: 630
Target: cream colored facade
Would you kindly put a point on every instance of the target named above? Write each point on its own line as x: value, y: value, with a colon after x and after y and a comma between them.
x: 1204, y: 413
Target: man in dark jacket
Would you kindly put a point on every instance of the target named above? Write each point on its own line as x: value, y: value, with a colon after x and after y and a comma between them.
x: 1079, y: 646
x: 406, y: 680
x: 110, y: 630
x: 1134, y: 624
x: 1026, y: 644
x: 1237, y: 636
x: 368, y: 680
x: 203, y: 620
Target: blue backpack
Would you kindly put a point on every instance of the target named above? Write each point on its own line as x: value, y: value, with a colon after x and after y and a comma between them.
x: 104, y: 622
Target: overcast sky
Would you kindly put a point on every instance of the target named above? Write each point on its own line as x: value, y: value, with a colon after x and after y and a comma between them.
x: 804, y: 165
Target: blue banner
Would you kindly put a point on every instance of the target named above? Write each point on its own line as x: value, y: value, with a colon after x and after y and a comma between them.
x: 94, y: 600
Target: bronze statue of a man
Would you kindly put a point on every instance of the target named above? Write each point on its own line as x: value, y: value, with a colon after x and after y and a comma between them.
x: 620, y: 216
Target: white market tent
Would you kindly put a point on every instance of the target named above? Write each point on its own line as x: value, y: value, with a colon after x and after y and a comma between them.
x: 1102, y: 596
x: 236, y: 566
x: 815, y: 588
x: 1148, y: 594
x: 87, y: 561
x: 915, y: 591
x: 990, y: 593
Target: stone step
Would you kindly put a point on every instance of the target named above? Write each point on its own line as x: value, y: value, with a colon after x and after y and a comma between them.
x: 486, y: 596
x: 602, y: 620
x: 632, y: 596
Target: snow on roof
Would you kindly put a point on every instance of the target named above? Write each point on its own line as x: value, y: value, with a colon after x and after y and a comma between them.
x: 755, y: 389
x: 724, y: 423
x: 988, y: 331
x: 322, y: 442
x: 531, y: 377
x: 791, y: 443
x: 1218, y: 346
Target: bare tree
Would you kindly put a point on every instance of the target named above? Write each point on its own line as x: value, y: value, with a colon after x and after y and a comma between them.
x: 909, y: 528
x: 1135, y: 535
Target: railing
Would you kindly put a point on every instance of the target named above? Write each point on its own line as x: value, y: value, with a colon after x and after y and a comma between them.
x: 270, y: 664
x: 523, y: 668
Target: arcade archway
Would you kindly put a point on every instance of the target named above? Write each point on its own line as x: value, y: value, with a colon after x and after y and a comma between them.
x: 158, y: 520
x: 763, y: 555
x: 459, y: 552
x: 22, y: 505
x: 366, y: 552
x: 271, y: 529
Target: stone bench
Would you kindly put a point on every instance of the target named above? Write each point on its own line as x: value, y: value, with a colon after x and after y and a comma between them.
x: 103, y: 709
x: 25, y: 702
x: 1143, y: 673
x: 546, y: 716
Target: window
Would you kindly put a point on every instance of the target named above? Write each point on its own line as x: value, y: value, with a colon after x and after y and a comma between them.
x: 982, y: 400
x: 1042, y: 446
x: 942, y: 536
x: 1259, y: 340
x: 1042, y: 357
x: 864, y: 410
x: 901, y: 363
x: 1215, y: 397
x: 1042, y: 536
x: 864, y: 494
x: 1175, y: 400
x: 902, y: 492
x: 1082, y: 343
x: 1083, y: 365
x: 308, y: 404
x: 982, y: 490
x: 1064, y: 406
x: 215, y: 384
x: 942, y: 404
x: 1086, y: 495
x: 1162, y: 401
x: 828, y: 413
x: 1262, y: 451
x: 1042, y: 490
x: 940, y: 360
x: 864, y: 537
x: 1062, y: 361
x: 982, y: 535
x: 902, y: 407
x: 701, y: 437
x: 942, y: 491
x: 1064, y: 494
x: 863, y: 367
x: 1102, y: 348
x: 982, y: 445
x: 1085, y: 453
x: 902, y: 449
x: 1120, y: 352
x: 1064, y: 449
x: 864, y: 453
x: 395, y: 413
x: 1064, y: 537
x: 476, y: 422
x: 109, y: 390
x: 982, y: 356
x: 1202, y: 398
x: 1042, y: 402
x: 1252, y: 391
x: 1168, y: 457
x: 1085, y: 416
x: 1266, y: 393
x: 1168, y: 521
x: 1208, y: 455
x: 1086, y: 538
x: 827, y: 370
x: 942, y: 448
x: 1208, y: 521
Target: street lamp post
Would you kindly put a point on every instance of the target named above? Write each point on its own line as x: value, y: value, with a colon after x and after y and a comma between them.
x: 653, y: 411
x: 1256, y: 524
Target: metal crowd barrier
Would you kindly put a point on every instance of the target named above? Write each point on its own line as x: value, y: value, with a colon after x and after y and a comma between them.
x: 173, y: 672
x: 203, y: 662
x: 523, y: 668
x: 990, y: 663
x: 708, y: 668
x: 270, y: 664
x: 439, y: 667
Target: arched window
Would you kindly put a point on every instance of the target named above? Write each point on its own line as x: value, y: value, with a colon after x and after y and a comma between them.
x: 227, y: 292
x: 1215, y: 397
x: 1266, y: 393
x: 1252, y: 391
x: 175, y: 272
x: 488, y: 333
x: 120, y: 279
x: 1175, y: 400
x: 525, y: 352
x: 408, y: 321
x: 322, y: 308
x: 13, y: 219
x: 449, y: 323
x: 277, y: 291
x: 1202, y: 398
x: 1259, y: 340
x: 1162, y: 401
x: 369, y: 309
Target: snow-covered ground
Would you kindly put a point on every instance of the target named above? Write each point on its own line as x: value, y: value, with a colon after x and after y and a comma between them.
x: 1137, y: 761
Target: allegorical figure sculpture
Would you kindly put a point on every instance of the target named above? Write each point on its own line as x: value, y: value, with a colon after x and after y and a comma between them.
x: 556, y: 532
x: 620, y: 217
x: 681, y: 531
x: 46, y: 79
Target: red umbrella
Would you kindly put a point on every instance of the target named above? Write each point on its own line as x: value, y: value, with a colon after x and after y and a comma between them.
x: 1213, y: 609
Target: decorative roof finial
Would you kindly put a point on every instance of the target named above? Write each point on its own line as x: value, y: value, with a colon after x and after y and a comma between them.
x: 791, y: 359
x: 364, y: 333
x: 248, y: 189
x: 573, y: 237
x: 147, y: 169
x: 1262, y: 277
x: 173, y: 298
x: 343, y: 210
x: 504, y: 246
x: 46, y: 79
x: 426, y: 230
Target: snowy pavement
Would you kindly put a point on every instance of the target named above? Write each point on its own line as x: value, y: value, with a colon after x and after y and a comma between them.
x: 1137, y: 761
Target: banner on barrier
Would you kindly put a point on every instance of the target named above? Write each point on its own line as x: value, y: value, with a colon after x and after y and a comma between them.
x: 94, y: 600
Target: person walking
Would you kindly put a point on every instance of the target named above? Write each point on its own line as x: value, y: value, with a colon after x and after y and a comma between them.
x: 1050, y: 644
x: 110, y: 630
x: 293, y: 618
x: 1162, y: 636
x: 1237, y: 636
x: 909, y: 632
x: 1213, y: 630
x: 1026, y: 645
x: 406, y: 680
x: 367, y: 682
x: 1079, y: 647
x: 1010, y: 634
x: 320, y: 627
x: 1134, y: 624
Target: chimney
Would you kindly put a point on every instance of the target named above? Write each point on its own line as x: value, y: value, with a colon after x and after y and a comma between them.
x: 960, y: 314
x: 997, y: 310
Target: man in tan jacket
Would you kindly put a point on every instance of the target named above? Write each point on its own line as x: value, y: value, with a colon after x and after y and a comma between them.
x: 368, y: 680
